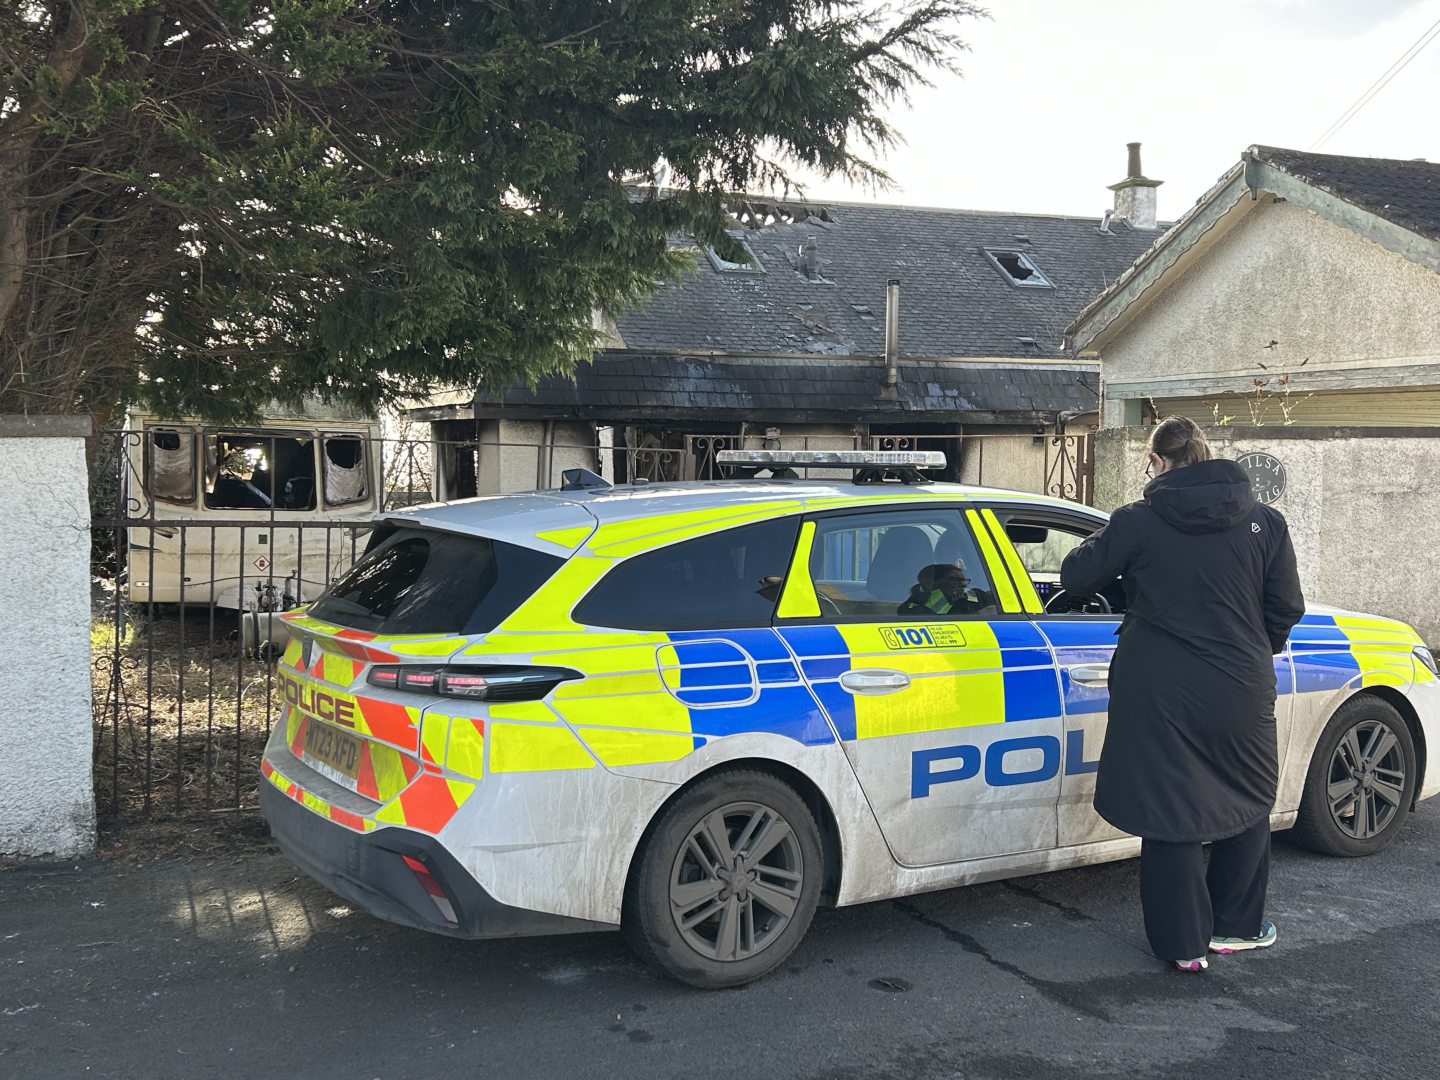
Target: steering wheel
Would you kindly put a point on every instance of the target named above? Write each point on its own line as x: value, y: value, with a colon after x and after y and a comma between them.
x: 1062, y: 603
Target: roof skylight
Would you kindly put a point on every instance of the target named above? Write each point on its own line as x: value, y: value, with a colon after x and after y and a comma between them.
x: 1018, y: 269
x: 750, y: 264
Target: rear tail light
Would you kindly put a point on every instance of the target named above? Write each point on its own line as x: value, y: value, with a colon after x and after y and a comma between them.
x: 479, y: 683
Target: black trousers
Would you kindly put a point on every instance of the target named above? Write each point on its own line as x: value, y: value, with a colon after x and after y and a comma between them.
x: 1185, y: 904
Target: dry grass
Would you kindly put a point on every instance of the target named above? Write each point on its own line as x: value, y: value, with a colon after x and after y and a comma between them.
x: 181, y: 718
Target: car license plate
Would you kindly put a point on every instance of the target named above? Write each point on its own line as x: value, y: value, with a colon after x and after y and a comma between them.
x: 333, y: 748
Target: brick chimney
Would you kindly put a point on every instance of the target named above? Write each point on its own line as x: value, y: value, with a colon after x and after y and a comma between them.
x: 1135, y: 195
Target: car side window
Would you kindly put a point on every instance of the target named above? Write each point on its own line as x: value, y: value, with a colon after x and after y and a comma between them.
x: 724, y: 580
x: 1042, y: 542
x: 918, y: 564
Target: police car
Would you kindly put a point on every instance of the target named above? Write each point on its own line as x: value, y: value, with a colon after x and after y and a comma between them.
x: 696, y: 711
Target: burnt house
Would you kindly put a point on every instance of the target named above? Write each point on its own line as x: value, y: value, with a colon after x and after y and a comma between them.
x: 783, y: 344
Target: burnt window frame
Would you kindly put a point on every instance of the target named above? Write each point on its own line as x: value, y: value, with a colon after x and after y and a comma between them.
x: 324, y: 460
x: 211, y: 464
x: 994, y: 253
x: 724, y: 266
x: 148, y: 461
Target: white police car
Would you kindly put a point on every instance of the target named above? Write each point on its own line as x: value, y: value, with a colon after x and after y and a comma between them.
x: 696, y: 711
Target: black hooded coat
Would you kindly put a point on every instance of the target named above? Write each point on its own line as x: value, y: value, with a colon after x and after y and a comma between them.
x: 1211, y: 594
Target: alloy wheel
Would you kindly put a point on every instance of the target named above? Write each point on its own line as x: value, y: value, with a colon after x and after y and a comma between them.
x: 736, y: 881
x: 1367, y: 779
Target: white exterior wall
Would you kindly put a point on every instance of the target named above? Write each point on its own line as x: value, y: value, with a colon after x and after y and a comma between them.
x: 1361, y: 512
x: 47, y: 802
x: 1282, y: 274
x: 1013, y: 459
x: 810, y: 437
x: 514, y: 455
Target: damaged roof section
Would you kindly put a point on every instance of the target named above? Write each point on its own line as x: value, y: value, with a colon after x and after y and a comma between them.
x: 822, y: 290
x: 636, y: 386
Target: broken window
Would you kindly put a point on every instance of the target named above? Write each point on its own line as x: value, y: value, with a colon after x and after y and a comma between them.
x: 1018, y: 268
x: 749, y: 263
x: 260, y: 471
x: 170, y: 464
x: 345, y: 470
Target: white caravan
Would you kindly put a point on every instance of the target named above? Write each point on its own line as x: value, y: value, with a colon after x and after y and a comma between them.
x: 247, y: 517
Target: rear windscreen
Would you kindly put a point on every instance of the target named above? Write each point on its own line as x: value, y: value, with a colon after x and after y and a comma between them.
x: 420, y: 581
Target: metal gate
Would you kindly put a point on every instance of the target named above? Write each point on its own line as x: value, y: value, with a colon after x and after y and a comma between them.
x: 185, y: 604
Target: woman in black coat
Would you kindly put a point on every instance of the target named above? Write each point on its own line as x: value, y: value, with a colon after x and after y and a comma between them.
x: 1190, y: 753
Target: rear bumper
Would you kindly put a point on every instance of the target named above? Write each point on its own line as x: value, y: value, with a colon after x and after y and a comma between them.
x: 369, y: 870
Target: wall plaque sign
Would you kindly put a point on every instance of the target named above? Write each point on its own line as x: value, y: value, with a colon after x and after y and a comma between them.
x: 1267, y: 475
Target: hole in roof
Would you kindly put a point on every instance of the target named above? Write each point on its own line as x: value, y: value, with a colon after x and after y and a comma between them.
x: 1018, y: 268
x: 749, y: 265
x: 755, y: 214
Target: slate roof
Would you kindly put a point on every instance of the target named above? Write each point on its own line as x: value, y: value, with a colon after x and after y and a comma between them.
x: 1405, y: 193
x: 628, y: 386
x: 954, y: 302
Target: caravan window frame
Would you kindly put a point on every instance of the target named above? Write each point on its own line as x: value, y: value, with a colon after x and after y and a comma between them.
x: 212, y: 438
x: 363, y: 438
x: 147, y: 443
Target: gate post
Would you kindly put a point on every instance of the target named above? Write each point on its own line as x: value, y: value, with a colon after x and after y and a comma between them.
x: 47, y: 799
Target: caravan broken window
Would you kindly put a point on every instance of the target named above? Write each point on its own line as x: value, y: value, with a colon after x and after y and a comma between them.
x: 344, y: 463
x: 170, y: 464
x: 260, y: 471
x: 1018, y: 268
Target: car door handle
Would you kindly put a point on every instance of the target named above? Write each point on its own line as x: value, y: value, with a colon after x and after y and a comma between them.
x: 1090, y: 674
x: 874, y: 681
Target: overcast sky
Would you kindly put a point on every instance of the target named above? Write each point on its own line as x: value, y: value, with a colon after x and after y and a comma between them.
x: 1052, y: 90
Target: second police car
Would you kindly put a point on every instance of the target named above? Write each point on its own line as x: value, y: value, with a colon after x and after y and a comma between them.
x: 697, y: 711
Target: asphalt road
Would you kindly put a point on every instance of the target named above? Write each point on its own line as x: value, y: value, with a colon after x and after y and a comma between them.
x: 244, y: 969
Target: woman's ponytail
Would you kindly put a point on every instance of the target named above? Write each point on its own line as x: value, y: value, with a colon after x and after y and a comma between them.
x: 1179, y: 441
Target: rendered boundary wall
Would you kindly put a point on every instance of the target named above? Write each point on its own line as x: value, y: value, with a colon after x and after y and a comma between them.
x: 47, y: 802
x: 1360, y: 502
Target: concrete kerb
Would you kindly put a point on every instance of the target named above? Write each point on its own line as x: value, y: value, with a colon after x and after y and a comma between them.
x: 47, y: 802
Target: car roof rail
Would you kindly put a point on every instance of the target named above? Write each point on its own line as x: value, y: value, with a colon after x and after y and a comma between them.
x: 583, y: 480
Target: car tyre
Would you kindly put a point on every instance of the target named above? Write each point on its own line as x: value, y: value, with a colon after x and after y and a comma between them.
x: 726, y: 882
x: 1361, y: 783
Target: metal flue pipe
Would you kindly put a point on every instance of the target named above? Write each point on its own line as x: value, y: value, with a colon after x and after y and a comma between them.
x: 892, y: 334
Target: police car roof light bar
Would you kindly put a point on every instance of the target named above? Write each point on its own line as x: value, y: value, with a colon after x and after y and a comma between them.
x: 871, y: 466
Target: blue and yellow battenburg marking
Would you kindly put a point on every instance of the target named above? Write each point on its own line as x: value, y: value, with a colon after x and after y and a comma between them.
x: 652, y: 698
x: 1330, y: 652
x: 1003, y: 673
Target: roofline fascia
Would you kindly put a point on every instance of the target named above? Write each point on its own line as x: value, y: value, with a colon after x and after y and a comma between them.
x: 643, y: 414
x: 1146, y: 271
x: 858, y: 358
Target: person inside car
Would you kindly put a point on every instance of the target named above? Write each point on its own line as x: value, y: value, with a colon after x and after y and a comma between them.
x: 944, y: 589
